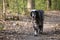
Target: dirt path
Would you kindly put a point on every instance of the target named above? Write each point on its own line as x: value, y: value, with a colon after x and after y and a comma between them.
x: 23, y: 30
x: 22, y: 36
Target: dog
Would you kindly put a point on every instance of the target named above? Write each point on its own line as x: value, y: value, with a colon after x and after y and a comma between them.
x: 37, y: 17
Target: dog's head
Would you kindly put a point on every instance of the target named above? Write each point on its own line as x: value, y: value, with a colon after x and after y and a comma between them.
x: 33, y: 14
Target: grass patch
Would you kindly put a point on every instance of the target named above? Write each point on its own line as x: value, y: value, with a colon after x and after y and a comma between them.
x: 1, y: 26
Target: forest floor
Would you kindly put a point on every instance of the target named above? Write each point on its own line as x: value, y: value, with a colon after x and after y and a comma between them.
x: 23, y: 30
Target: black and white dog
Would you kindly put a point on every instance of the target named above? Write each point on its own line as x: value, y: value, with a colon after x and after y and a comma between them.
x: 37, y: 17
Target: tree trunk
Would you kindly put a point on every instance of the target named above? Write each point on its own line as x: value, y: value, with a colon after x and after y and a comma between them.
x: 56, y: 5
x: 48, y: 4
x: 4, y: 9
x: 3, y: 6
x: 30, y: 4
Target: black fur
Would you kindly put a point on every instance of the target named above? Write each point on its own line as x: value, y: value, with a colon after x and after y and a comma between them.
x: 37, y: 17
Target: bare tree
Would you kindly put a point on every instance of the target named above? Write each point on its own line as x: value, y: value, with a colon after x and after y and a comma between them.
x: 56, y: 4
x: 30, y: 4
x: 3, y: 6
x: 49, y: 4
x: 3, y: 9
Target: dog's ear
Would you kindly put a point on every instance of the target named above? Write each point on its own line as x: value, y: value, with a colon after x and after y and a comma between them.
x: 31, y: 14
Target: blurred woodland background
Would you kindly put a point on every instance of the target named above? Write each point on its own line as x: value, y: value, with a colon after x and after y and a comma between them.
x: 13, y: 9
x: 15, y: 19
x: 23, y: 6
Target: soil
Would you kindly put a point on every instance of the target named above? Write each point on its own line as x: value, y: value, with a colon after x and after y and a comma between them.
x: 23, y: 30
